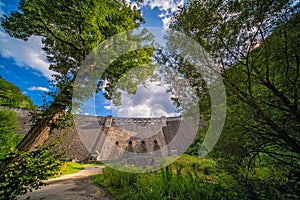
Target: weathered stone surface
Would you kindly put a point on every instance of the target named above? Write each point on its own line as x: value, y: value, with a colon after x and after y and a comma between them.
x: 105, y: 138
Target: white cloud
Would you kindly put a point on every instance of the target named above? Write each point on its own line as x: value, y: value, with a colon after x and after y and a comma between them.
x: 43, y: 89
x: 25, y: 53
x: 149, y: 101
x: 133, y: 4
x: 166, y: 21
x: 107, y: 107
x: 168, y: 5
x: 167, y: 8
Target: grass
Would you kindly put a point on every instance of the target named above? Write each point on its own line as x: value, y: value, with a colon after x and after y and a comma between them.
x: 71, y: 167
x: 74, y: 167
x: 188, y: 178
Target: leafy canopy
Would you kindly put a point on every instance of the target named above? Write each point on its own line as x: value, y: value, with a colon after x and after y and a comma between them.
x: 10, y: 95
x: 70, y: 30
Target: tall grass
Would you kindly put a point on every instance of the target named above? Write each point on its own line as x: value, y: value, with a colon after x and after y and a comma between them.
x: 187, y: 178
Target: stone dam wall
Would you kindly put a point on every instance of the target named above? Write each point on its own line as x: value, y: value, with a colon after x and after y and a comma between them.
x: 97, y: 137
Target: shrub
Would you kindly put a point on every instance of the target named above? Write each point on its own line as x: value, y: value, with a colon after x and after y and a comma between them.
x: 27, y: 173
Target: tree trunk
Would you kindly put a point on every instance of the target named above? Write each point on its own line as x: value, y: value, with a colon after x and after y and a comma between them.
x: 40, y: 131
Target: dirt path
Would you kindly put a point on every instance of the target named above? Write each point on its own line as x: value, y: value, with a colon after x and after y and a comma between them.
x: 76, y: 186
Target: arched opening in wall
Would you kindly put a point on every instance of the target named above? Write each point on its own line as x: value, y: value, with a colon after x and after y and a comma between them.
x: 117, y: 143
x: 143, y: 147
x: 155, y: 146
x: 130, y: 148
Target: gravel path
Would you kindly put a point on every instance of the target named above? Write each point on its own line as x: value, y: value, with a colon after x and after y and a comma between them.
x: 77, y: 186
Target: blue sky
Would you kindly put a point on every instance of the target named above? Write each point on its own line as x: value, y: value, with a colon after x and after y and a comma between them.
x: 25, y: 64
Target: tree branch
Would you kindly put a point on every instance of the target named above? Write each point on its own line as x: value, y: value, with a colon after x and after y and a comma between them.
x: 56, y: 37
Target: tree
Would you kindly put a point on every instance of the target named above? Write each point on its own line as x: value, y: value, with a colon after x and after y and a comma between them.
x: 256, y: 46
x: 70, y: 30
x: 10, y: 95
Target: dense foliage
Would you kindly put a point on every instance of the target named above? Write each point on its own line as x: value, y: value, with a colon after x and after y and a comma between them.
x: 256, y: 47
x: 8, y: 138
x: 260, y: 69
x: 10, y: 95
x: 27, y: 173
